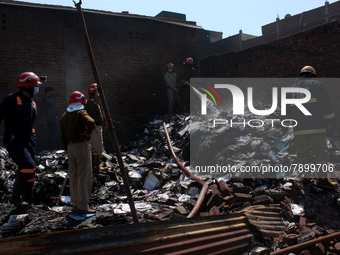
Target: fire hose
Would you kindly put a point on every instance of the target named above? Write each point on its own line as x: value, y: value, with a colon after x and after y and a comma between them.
x: 204, y: 185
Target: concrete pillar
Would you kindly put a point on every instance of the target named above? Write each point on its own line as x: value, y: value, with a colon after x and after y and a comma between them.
x: 277, y: 28
x: 326, y: 11
x: 240, y: 38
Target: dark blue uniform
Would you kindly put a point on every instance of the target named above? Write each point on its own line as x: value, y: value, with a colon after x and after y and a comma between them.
x: 319, y: 106
x: 19, y: 113
x: 310, y: 132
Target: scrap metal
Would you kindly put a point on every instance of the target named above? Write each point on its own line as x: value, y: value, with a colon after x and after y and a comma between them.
x: 220, y: 233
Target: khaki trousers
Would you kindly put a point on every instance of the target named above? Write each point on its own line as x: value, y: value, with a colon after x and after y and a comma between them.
x: 80, y: 172
x: 97, y: 140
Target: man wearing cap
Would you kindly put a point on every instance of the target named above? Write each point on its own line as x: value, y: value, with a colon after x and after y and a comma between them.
x: 93, y: 108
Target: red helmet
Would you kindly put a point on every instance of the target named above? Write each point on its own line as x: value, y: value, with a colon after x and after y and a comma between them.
x: 92, y: 89
x: 171, y: 65
x: 189, y: 60
x: 77, y: 97
x: 28, y: 80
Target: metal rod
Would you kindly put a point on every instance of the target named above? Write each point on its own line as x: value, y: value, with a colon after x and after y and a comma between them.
x: 109, y: 122
x: 204, y: 189
x: 301, y: 246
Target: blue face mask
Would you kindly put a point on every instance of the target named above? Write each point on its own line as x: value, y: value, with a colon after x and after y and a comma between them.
x: 36, y: 90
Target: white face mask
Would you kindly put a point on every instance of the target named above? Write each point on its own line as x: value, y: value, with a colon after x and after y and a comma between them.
x: 75, y: 107
x: 36, y: 90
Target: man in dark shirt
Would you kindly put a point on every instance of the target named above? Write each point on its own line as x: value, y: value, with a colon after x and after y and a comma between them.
x: 94, y: 110
x: 19, y: 111
x: 310, y: 133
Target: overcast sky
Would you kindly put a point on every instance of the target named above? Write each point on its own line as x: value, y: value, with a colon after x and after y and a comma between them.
x: 227, y: 16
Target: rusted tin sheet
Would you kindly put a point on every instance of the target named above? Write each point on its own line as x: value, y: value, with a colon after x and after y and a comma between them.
x: 123, y: 237
x: 267, y: 219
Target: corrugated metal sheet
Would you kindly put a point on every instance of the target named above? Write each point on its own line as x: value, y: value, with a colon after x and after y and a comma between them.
x: 267, y: 219
x: 228, y: 234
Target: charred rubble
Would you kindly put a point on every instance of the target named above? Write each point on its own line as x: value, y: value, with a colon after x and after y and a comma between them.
x: 162, y: 191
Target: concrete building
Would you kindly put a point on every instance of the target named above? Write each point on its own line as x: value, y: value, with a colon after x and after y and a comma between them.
x: 280, y: 28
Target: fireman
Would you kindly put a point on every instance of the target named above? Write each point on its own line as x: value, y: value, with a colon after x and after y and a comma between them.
x: 94, y: 110
x: 310, y: 132
x: 19, y: 112
x: 76, y: 127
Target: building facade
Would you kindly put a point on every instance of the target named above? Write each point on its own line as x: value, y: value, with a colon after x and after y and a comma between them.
x: 131, y: 53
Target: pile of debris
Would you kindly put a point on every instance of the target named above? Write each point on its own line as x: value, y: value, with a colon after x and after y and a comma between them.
x: 162, y: 191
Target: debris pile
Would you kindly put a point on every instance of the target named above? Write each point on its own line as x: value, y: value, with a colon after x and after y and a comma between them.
x: 161, y: 191
x: 230, y: 141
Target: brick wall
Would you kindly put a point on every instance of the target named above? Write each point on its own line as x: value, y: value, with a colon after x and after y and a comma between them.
x: 318, y: 46
x: 131, y: 54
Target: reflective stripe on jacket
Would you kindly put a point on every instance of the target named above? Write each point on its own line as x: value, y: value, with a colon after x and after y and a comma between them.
x: 319, y: 106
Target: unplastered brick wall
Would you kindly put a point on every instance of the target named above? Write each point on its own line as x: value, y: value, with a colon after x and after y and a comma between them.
x: 283, y: 58
x: 131, y: 54
x: 32, y: 40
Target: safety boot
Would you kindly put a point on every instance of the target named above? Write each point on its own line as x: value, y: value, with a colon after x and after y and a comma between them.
x: 306, y: 177
x: 28, y: 193
x: 18, y: 190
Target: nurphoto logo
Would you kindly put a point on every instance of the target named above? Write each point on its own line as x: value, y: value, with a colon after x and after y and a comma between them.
x: 239, y: 103
x: 243, y: 127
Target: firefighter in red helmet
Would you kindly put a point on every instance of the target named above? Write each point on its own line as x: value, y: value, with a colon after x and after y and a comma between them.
x: 76, y: 127
x: 94, y: 110
x: 18, y: 110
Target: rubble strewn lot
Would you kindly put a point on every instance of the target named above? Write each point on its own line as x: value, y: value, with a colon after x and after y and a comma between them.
x: 162, y: 191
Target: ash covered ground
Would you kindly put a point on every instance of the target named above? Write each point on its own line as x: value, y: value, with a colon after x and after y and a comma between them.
x: 162, y: 191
